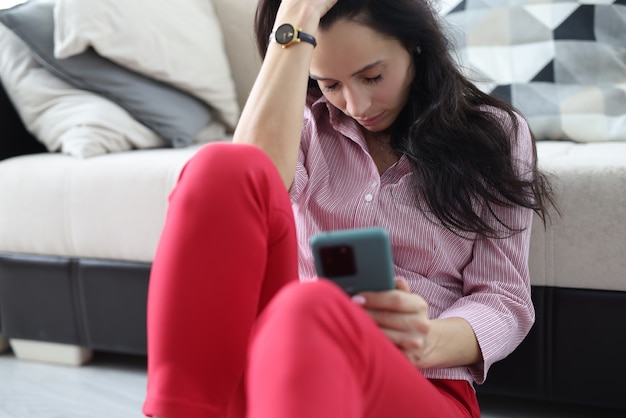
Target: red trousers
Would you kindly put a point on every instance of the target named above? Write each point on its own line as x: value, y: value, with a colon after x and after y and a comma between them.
x: 232, y: 333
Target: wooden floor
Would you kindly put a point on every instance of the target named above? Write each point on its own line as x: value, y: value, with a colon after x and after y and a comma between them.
x: 113, y: 386
x: 109, y: 386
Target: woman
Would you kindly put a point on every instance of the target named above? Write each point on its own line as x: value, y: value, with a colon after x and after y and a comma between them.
x: 392, y: 136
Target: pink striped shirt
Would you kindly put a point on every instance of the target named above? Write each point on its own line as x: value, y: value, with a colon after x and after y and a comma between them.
x: 485, y: 281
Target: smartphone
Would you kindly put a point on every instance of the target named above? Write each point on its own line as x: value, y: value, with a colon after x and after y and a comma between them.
x: 356, y: 259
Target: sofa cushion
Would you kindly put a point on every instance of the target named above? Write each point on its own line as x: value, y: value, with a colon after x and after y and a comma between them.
x: 177, y: 42
x: 62, y: 117
x: 563, y: 64
x: 174, y: 115
x: 108, y: 207
x: 583, y: 248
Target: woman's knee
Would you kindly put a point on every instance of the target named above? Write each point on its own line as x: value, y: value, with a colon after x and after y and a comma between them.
x: 316, y: 315
x: 306, y: 298
x: 221, y: 170
x: 225, y: 161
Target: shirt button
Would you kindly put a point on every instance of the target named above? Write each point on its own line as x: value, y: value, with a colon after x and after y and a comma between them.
x: 368, y: 197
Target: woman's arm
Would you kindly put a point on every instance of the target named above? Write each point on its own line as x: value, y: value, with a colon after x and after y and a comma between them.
x: 273, y: 115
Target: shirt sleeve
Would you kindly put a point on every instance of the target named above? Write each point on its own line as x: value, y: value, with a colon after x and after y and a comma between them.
x: 496, y: 283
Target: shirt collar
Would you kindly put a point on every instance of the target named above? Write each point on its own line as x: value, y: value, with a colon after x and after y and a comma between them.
x: 351, y: 129
x: 342, y: 123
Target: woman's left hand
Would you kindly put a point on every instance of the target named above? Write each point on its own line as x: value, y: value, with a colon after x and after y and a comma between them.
x: 428, y: 343
x: 403, y: 317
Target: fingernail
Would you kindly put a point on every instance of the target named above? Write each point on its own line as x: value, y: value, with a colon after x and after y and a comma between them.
x: 358, y: 299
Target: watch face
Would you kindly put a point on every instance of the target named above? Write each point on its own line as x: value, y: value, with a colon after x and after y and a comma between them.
x: 284, y: 34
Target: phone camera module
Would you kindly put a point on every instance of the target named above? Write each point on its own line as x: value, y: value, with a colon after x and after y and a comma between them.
x: 338, y: 261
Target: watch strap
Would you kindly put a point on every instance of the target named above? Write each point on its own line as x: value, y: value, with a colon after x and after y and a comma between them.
x: 305, y: 37
x: 296, y: 36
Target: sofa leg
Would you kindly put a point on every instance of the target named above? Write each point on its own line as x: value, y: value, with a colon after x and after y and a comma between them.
x: 70, y: 355
x: 4, y: 344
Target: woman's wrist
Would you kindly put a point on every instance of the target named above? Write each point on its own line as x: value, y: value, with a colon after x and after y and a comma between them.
x: 452, y: 343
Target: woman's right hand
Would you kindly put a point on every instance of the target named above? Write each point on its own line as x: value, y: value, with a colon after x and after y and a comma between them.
x: 309, y: 9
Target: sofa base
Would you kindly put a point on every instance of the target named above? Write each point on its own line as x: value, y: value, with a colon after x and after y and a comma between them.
x: 95, y: 304
x: 69, y: 355
x: 573, y: 354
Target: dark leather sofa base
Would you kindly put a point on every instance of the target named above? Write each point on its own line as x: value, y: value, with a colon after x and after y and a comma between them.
x: 96, y: 304
x: 575, y: 353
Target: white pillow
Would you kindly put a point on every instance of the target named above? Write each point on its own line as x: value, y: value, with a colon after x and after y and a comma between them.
x: 177, y: 42
x: 62, y: 117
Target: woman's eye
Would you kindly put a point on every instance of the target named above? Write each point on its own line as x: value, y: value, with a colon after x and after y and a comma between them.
x: 331, y: 87
x: 374, y: 80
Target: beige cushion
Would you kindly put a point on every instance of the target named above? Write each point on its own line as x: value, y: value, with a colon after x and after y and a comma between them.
x: 585, y: 247
x: 111, y: 206
x: 177, y: 42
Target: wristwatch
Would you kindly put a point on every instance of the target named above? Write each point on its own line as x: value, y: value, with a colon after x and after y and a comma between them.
x: 287, y: 34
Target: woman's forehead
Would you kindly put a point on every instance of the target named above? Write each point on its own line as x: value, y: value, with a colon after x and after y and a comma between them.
x: 349, y: 47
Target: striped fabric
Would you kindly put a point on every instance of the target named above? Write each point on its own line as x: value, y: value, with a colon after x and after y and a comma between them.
x: 485, y: 281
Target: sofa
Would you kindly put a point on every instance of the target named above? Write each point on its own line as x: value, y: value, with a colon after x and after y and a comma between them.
x: 79, y: 223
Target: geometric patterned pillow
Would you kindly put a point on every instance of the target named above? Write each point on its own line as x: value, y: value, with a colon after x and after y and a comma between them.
x: 562, y: 64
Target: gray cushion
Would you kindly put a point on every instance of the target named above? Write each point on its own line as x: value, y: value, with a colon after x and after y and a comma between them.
x: 174, y: 115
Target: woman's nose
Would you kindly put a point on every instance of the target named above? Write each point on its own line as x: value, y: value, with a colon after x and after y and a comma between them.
x: 357, y: 103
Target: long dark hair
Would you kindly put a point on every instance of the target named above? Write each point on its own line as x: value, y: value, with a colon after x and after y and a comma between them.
x: 461, y: 154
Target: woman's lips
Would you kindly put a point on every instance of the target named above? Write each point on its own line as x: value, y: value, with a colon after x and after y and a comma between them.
x: 371, y: 121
